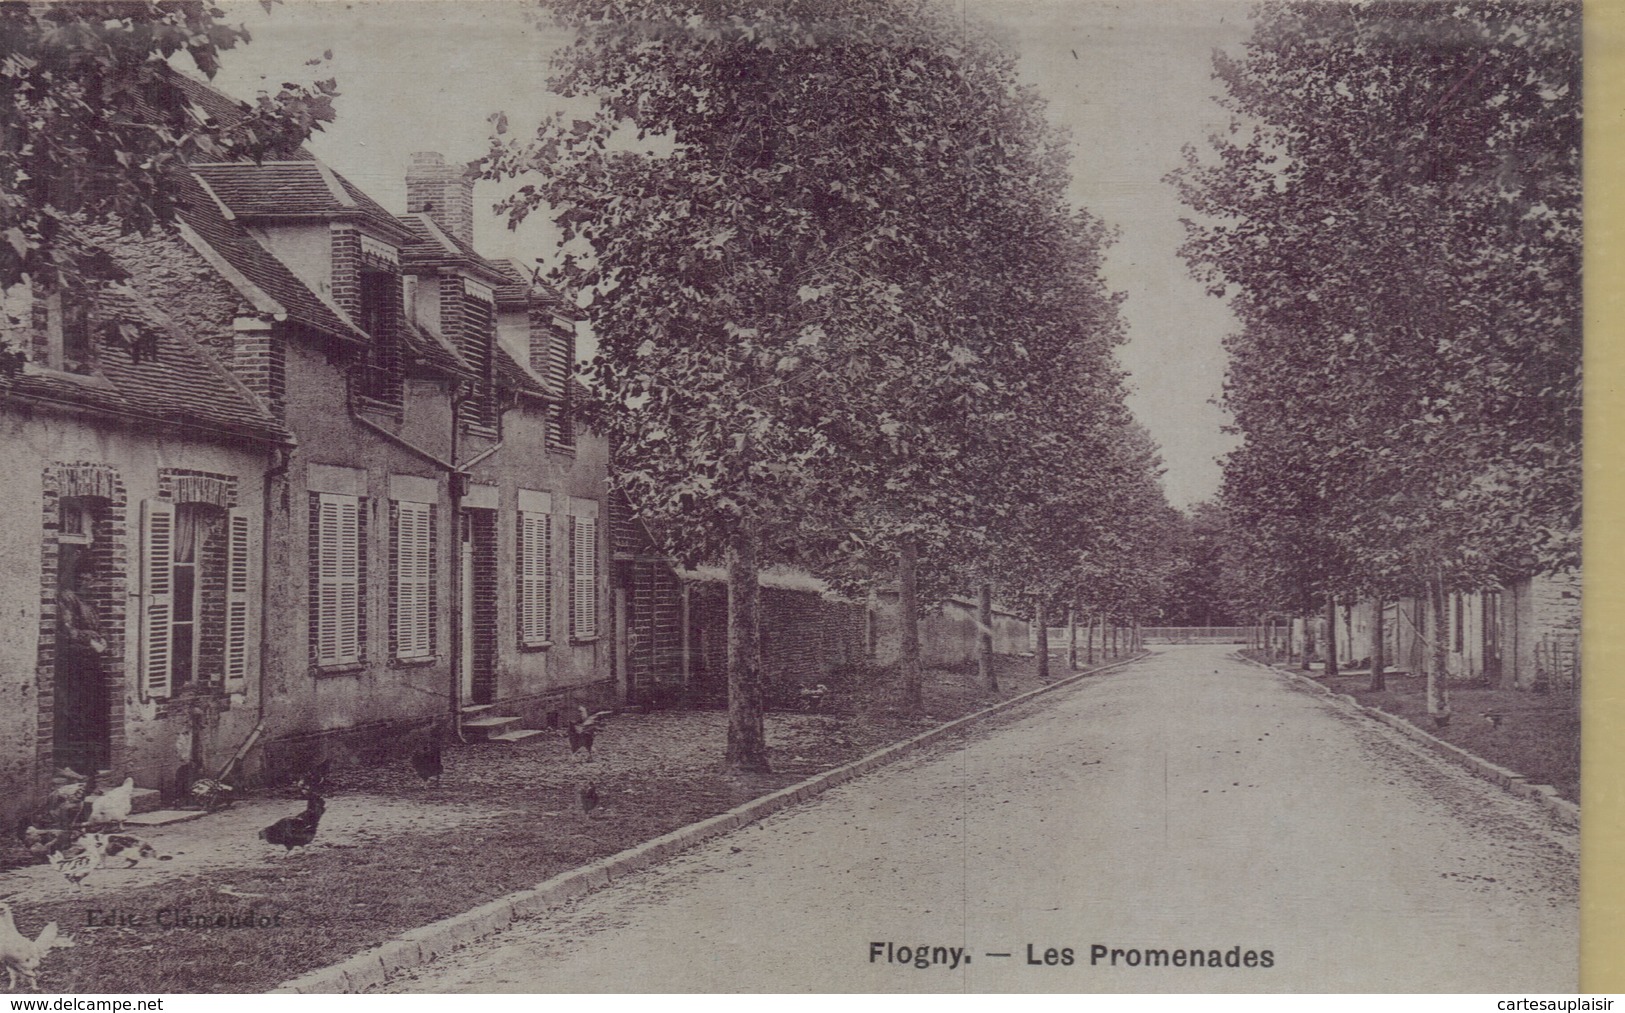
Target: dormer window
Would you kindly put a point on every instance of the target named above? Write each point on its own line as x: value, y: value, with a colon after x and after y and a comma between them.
x: 379, y: 379
x: 63, y: 337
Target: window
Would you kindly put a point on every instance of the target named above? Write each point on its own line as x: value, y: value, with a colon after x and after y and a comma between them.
x: 194, y: 597
x: 477, y: 330
x: 411, y: 604
x: 583, y: 578
x: 337, y: 609
x: 535, y: 578
x: 379, y: 379
x: 63, y: 336
x: 561, y: 434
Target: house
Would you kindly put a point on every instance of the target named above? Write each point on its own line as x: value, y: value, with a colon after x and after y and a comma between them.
x: 135, y: 485
x: 334, y: 494
x: 1523, y: 635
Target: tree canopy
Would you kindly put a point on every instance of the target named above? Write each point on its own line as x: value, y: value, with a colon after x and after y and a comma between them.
x: 96, y: 127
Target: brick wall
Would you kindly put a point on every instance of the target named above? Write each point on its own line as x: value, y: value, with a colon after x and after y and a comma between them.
x: 440, y: 190
x: 804, y: 636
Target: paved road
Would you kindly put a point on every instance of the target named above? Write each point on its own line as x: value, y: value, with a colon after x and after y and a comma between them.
x: 1187, y: 802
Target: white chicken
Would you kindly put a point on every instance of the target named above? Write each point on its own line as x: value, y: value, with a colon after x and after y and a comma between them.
x: 113, y: 805
x: 20, y: 955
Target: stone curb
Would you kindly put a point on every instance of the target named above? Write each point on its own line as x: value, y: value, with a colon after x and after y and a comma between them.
x: 421, y: 945
x: 1517, y: 784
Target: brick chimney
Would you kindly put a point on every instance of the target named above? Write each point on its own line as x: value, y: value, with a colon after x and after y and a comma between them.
x: 442, y: 192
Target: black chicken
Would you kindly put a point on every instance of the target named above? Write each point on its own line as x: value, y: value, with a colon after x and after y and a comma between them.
x: 426, y: 762
x: 296, y: 831
x: 589, y: 797
x: 581, y: 732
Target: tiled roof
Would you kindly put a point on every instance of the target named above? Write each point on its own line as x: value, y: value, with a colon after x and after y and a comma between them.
x: 295, y: 189
x: 254, y: 264
x: 170, y: 381
x: 437, y: 246
x: 524, y: 285
x: 431, y: 355
x: 511, y: 375
x: 212, y: 103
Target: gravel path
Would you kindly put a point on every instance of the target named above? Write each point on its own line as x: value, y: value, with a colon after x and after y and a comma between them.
x: 1188, y: 802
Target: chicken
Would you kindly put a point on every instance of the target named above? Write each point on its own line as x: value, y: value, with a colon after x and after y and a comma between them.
x: 83, y: 857
x: 113, y: 805
x: 296, y: 831
x: 580, y: 733
x: 20, y: 955
x: 588, y: 794
x: 41, y: 841
x: 426, y: 762
x: 67, y: 802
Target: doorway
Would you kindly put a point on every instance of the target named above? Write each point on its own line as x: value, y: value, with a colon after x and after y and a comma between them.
x: 478, y: 605
x: 81, y: 729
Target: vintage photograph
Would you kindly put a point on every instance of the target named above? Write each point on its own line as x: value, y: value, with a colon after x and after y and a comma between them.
x: 790, y: 496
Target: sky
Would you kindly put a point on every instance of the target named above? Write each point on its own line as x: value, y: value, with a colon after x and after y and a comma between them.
x: 1130, y: 80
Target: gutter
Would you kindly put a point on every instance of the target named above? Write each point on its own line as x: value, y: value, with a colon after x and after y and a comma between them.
x: 78, y: 408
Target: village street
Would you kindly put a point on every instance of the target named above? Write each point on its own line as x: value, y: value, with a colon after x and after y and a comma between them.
x: 1186, y: 802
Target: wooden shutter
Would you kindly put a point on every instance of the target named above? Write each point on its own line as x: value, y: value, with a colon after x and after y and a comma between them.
x: 412, y: 588
x: 584, y: 570
x: 338, y: 620
x: 535, y: 578
x: 236, y: 599
x: 157, y: 595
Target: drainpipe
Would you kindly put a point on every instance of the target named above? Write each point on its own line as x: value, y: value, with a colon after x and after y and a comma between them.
x: 281, y: 458
x: 457, y: 479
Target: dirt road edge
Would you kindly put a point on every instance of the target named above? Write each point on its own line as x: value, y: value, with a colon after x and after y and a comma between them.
x: 421, y: 945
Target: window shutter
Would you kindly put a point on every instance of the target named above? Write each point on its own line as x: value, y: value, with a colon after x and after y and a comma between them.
x: 157, y: 595
x: 535, y: 583
x: 338, y: 627
x: 584, y: 568
x: 412, y: 580
x: 236, y: 599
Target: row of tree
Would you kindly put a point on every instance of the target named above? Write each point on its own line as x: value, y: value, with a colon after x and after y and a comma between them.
x: 1395, y: 219
x: 846, y: 316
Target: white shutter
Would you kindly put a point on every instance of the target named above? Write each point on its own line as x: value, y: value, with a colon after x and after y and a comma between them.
x: 338, y: 619
x: 535, y: 578
x: 412, y: 588
x: 585, y: 571
x: 157, y: 595
x: 236, y: 599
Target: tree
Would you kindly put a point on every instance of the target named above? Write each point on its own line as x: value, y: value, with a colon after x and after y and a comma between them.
x: 769, y: 289
x: 1395, y: 217
x: 96, y: 129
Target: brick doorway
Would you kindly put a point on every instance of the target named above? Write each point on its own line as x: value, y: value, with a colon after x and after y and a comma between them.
x: 83, y: 584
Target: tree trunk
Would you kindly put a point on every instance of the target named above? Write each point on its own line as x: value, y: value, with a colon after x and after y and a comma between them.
x: 1331, y: 635
x: 1089, y: 641
x: 1072, y: 639
x: 1043, y: 641
x: 1438, y: 677
x: 908, y: 624
x: 1378, y: 683
x: 747, y: 742
x: 1114, y: 640
x: 984, y: 637
x: 1308, y: 644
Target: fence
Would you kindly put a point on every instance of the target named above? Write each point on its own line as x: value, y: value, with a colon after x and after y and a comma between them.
x: 1196, y: 634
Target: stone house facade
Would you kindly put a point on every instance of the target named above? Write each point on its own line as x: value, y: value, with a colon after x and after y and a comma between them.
x: 333, y: 493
